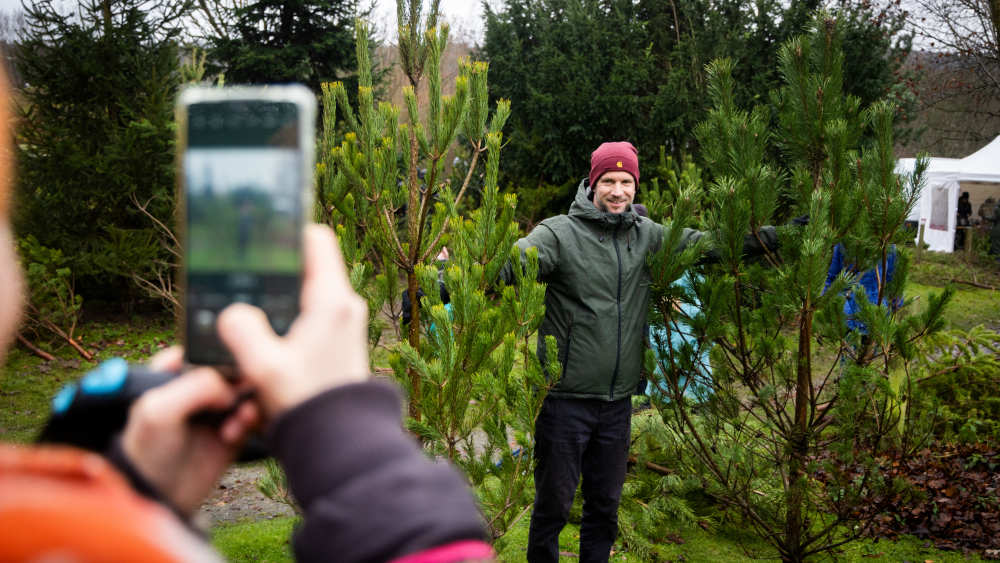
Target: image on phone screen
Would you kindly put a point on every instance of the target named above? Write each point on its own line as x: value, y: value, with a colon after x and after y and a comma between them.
x: 243, y: 179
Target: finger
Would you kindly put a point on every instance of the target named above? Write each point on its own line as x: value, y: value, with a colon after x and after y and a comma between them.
x: 169, y: 359
x: 196, y: 390
x: 237, y: 426
x: 249, y: 337
x: 325, y: 274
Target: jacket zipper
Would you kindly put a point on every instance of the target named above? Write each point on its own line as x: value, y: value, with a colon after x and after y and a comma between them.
x: 618, y: 348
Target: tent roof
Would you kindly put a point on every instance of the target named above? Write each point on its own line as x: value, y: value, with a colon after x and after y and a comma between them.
x: 980, y: 166
x: 936, y: 166
x: 984, y: 164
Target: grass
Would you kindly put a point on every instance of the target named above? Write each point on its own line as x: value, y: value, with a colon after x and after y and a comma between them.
x: 968, y: 308
x: 269, y: 540
x: 264, y: 540
x: 732, y: 544
x: 939, y: 268
x: 28, y: 383
x: 971, y: 306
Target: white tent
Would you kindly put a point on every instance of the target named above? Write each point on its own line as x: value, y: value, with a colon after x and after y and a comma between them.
x: 944, y: 180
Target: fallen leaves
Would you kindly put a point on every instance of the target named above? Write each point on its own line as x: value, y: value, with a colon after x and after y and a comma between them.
x: 954, y: 501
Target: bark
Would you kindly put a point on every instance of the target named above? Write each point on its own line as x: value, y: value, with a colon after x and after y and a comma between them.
x: 35, y: 349
x: 798, y: 444
x: 414, y: 340
x: 973, y: 284
x: 652, y: 466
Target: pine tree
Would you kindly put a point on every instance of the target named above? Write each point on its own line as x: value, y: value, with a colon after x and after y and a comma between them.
x: 796, y: 408
x: 274, y: 41
x: 95, y: 139
x: 385, y: 187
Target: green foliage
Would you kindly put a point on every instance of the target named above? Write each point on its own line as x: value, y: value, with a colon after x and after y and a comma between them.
x: 667, y: 180
x: 307, y: 41
x: 537, y: 201
x: 875, y: 46
x: 96, y: 136
x: 577, y: 74
x: 956, y: 397
x: 274, y: 485
x: 664, y: 492
x: 473, y: 381
x: 792, y: 394
x: 580, y: 72
x: 52, y: 304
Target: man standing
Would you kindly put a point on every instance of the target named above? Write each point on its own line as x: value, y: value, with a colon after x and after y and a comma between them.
x: 593, y: 261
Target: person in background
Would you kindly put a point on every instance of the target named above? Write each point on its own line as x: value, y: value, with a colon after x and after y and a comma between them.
x: 962, y: 220
x: 986, y: 212
x: 873, y: 281
x: 366, y: 490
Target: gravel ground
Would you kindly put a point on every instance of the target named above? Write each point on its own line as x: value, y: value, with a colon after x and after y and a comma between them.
x: 236, y: 499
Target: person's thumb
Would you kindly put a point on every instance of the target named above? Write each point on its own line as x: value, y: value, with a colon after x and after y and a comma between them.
x: 248, y: 335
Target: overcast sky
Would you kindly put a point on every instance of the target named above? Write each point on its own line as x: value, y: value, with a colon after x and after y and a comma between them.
x: 465, y: 16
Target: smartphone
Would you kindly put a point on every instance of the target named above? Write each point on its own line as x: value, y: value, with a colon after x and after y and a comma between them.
x: 246, y: 159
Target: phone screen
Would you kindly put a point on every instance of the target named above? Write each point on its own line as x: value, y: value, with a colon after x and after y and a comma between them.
x: 243, y: 176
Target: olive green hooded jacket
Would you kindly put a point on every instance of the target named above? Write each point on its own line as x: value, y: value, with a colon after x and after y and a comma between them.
x: 594, y: 266
x: 597, y: 295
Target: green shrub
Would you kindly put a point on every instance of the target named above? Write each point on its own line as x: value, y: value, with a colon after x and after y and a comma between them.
x: 53, y: 307
x: 957, y: 397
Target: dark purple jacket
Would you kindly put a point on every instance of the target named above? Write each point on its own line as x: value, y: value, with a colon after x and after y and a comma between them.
x: 367, y: 490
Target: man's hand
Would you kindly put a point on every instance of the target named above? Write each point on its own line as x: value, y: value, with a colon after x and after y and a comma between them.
x: 325, y: 347
x: 184, y: 461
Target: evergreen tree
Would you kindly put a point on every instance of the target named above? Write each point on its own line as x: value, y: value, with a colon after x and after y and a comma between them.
x: 278, y: 41
x: 96, y: 137
x: 580, y: 72
x: 795, y: 407
x: 385, y: 187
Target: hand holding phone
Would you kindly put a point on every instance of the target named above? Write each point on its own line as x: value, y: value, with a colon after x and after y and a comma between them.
x: 327, y: 345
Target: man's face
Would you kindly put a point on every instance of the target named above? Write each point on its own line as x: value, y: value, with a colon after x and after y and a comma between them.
x: 614, y: 191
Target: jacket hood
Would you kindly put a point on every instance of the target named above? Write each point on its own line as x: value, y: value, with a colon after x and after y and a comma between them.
x: 584, y: 208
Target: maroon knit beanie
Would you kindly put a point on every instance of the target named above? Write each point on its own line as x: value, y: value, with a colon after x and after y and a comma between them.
x: 614, y: 156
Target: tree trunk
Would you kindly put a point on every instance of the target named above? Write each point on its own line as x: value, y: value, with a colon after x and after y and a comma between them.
x: 414, y: 340
x: 413, y: 228
x: 798, y: 445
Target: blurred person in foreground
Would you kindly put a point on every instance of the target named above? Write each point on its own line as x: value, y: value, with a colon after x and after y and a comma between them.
x: 366, y: 490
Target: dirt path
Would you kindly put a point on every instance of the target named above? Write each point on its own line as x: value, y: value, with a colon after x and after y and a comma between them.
x: 236, y: 498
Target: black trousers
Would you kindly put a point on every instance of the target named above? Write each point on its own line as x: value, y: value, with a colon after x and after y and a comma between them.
x: 574, y: 437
